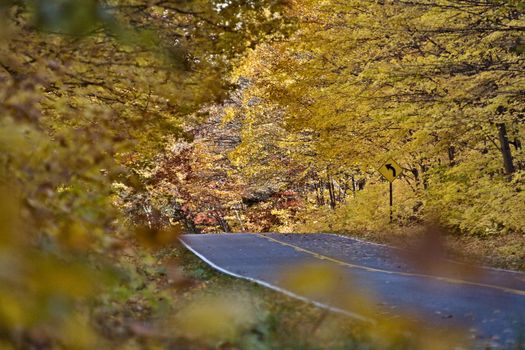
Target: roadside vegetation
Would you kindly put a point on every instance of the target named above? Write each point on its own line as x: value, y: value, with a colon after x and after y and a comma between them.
x: 204, y: 309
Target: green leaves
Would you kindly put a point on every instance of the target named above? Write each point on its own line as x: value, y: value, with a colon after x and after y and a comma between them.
x: 73, y: 17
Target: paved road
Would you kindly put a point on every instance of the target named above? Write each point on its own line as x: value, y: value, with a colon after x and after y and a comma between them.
x: 490, y: 303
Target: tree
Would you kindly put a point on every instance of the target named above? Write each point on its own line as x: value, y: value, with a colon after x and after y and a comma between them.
x: 427, y: 82
x: 91, y: 90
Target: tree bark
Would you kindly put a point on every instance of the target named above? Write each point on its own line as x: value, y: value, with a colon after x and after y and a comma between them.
x: 505, y: 149
x: 179, y: 215
x: 353, y: 186
x: 320, y: 195
x: 331, y: 191
x: 223, y: 223
x: 452, y: 155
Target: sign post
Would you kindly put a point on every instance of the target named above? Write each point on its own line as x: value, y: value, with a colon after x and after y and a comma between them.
x: 391, y: 201
x: 391, y: 171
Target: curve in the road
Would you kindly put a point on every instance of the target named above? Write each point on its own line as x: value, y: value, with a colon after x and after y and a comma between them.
x: 371, y: 269
x: 492, y: 305
x: 276, y: 288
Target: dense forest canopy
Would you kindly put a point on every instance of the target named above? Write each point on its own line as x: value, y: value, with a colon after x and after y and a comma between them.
x: 132, y: 121
x: 436, y: 85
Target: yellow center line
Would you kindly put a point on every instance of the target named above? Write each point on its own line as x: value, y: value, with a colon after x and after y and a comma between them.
x: 410, y: 274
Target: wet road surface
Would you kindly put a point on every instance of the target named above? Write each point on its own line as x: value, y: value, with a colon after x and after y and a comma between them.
x: 489, y: 303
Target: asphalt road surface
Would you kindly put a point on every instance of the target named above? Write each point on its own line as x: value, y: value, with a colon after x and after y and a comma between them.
x: 487, y: 303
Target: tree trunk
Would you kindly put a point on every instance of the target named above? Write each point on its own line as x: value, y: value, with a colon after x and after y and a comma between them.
x: 343, y: 189
x: 331, y: 191
x: 180, y: 215
x: 238, y: 216
x: 505, y: 149
x: 320, y: 195
x: 353, y: 186
x: 415, y: 172
x: 452, y: 155
x: 223, y: 223
x: 423, y: 172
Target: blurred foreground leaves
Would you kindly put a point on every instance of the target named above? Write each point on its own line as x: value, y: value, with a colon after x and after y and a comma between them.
x: 89, y: 92
x: 218, y: 318
x: 40, y: 290
x: 382, y: 327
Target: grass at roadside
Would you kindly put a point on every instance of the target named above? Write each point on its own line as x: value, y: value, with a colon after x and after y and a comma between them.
x: 277, y: 322
x: 173, y: 300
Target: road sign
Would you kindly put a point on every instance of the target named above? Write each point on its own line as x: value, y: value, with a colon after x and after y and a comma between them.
x: 390, y: 170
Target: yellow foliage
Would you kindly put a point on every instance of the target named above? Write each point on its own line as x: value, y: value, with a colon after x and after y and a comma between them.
x: 219, y: 317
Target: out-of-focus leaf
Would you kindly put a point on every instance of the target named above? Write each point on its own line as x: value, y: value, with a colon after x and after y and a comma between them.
x: 213, y: 318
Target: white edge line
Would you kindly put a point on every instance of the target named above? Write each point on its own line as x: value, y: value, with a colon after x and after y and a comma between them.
x: 353, y: 238
x: 280, y: 290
